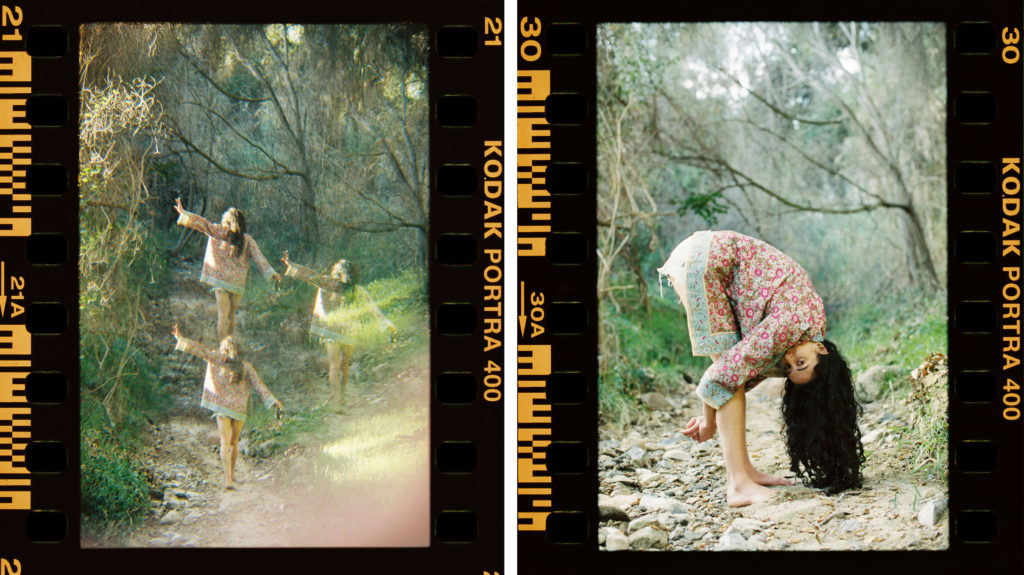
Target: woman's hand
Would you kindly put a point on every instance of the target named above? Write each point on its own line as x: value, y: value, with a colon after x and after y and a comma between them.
x: 177, y: 205
x: 277, y: 278
x: 176, y: 333
x: 700, y: 429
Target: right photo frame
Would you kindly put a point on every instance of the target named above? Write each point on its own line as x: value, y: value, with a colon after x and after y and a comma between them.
x: 769, y: 278
x: 771, y: 239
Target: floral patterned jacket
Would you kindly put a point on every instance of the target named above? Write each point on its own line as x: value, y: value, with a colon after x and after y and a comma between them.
x: 220, y: 269
x: 219, y: 394
x: 750, y: 303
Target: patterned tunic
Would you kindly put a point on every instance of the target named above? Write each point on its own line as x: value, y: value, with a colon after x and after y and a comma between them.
x: 338, y: 314
x: 219, y: 394
x: 748, y: 302
x: 220, y: 269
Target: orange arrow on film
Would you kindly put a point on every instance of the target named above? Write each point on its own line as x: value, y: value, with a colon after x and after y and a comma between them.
x: 522, y: 308
x: 3, y: 289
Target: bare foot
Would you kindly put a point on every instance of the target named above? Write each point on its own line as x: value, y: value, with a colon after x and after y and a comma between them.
x: 762, y: 478
x: 747, y: 494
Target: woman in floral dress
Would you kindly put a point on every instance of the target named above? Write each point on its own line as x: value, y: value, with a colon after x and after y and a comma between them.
x: 343, y: 310
x: 226, y: 263
x: 226, y: 388
x: 753, y: 310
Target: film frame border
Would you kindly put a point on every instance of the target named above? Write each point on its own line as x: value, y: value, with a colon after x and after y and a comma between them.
x: 465, y: 92
x: 557, y: 486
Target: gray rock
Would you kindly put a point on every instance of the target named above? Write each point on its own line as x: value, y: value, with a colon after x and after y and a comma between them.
x: 734, y: 542
x: 872, y: 436
x: 677, y: 455
x: 648, y: 538
x: 871, y: 383
x: 757, y: 539
x: 680, y: 518
x: 633, y: 440
x: 646, y: 475
x: 656, y: 401
x: 931, y: 511
x: 172, y: 516
x: 641, y: 522
x: 267, y: 448
x: 601, y: 538
x: 611, y: 513
x: 677, y: 534
x: 746, y: 526
x: 636, y: 453
x: 672, y: 441
x: 656, y: 503
x: 616, y: 541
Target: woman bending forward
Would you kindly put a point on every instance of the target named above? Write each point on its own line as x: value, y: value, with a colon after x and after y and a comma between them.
x: 753, y: 310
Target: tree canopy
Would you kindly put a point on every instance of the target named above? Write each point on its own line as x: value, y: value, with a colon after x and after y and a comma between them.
x: 824, y: 139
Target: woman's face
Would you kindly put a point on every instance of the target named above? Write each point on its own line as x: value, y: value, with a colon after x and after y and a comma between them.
x: 799, y: 361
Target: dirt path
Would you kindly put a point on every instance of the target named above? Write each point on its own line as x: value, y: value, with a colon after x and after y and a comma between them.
x: 357, y: 479
x: 661, y: 490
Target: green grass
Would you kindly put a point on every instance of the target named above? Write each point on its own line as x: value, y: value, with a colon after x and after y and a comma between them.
x: 120, y: 386
x: 402, y: 298
x: 641, y: 351
x: 900, y: 329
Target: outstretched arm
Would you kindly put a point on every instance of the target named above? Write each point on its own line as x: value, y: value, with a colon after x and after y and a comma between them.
x: 268, y: 271
x: 261, y: 388
x: 302, y: 273
x: 199, y: 223
x: 193, y: 347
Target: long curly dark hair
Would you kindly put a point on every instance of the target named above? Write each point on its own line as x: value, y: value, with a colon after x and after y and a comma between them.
x: 237, y: 235
x: 820, y: 425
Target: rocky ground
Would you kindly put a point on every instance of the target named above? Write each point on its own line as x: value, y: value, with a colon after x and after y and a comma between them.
x: 360, y: 479
x: 659, y: 490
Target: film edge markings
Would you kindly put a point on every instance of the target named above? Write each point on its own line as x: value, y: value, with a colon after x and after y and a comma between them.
x: 39, y: 429
x: 557, y: 523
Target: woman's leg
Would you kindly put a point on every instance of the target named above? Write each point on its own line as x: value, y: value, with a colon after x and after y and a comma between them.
x: 224, y: 426
x: 234, y: 299
x: 333, y: 369
x: 223, y: 313
x: 741, y: 488
x: 236, y: 434
x: 759, y: 477
x: 346, y: 355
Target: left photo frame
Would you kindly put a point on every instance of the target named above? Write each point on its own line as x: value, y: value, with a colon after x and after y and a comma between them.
x: 251, y: 261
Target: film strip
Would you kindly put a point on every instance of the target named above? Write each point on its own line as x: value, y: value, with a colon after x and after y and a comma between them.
x: 446, y: 104
x: 561, y: 456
